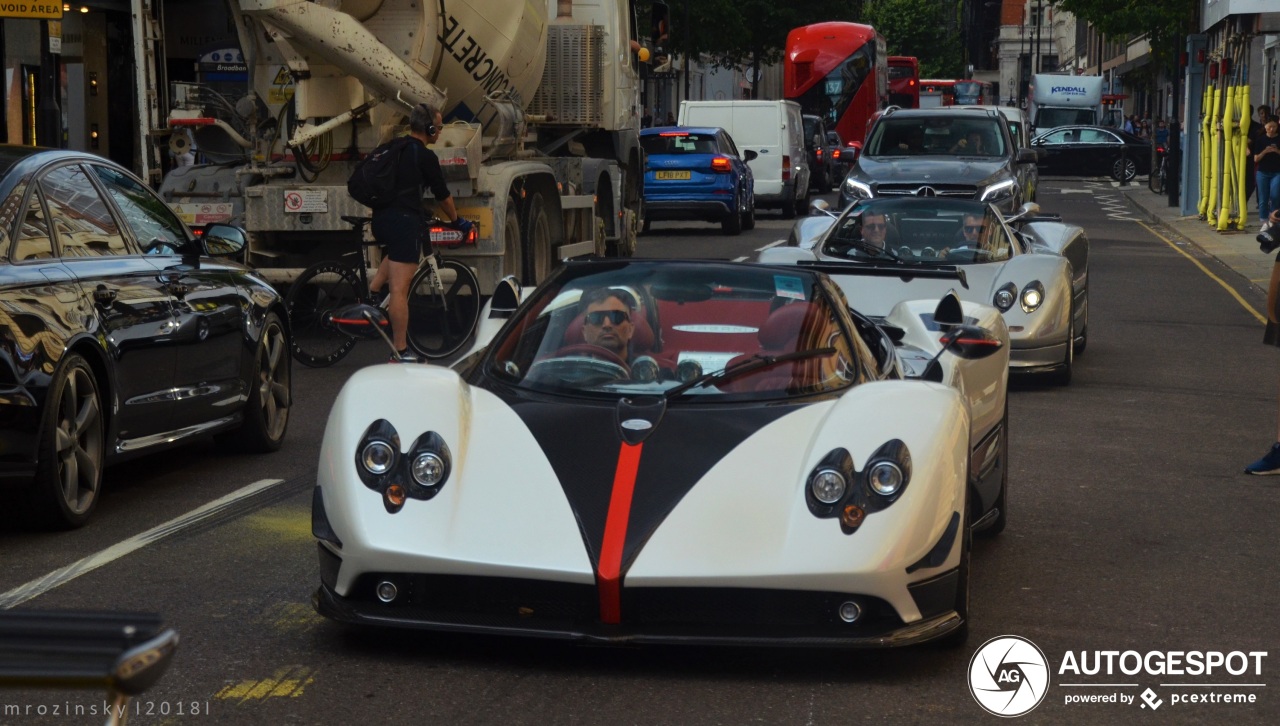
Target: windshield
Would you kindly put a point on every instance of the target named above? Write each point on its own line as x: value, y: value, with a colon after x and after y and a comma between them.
x: 969, y: 135
x: 899, y: 72
x: 925, y: 231
x: 645, y: 328
x: 678, y: 142
x: 1052, y: 117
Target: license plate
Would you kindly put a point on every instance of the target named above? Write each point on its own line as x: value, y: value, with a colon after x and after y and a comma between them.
x: 671, y: 175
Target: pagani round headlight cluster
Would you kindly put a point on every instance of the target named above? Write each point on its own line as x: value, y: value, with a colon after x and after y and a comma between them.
x: 418, y: 473
x: 1032, y: 296
x: 1005, y: 297
x: 836, y: 490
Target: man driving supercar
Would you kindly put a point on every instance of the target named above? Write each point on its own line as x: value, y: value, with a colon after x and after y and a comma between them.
x: 607, y: 320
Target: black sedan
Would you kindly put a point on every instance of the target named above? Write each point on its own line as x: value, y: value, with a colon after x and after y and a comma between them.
x: 1092, y: 151
x: 121, y: 332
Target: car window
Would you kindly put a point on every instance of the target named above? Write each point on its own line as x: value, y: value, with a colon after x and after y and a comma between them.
x: 919, y: 231
x: 84, y: 223
x: 1096, y: 136
x: 1061, y: 136
x: 647, y: 328
x: 727, y: 142
x: 936, y: 135
x: 679, y: 142
x: 34, y: 242
x: 154, y: 226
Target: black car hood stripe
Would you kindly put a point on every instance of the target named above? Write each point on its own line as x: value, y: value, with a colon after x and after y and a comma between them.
x: 582, y: 443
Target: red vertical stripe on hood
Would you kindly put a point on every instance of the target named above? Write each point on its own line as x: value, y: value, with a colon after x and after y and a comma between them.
x: 609, y: 571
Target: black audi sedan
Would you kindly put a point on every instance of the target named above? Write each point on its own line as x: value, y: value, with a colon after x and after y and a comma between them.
x: 122, y: 332
x: 1092, y: 151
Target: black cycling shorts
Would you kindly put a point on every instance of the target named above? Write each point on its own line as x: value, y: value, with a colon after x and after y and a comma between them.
x: 399, y: 231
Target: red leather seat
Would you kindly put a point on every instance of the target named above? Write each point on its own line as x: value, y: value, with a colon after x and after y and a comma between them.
x: 778, y: 335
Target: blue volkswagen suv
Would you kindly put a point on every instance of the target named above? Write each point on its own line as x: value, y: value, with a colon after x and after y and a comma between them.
x: 696, y: 172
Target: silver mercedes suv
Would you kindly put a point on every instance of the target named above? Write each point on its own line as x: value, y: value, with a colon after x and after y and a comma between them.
x: 941, y: 152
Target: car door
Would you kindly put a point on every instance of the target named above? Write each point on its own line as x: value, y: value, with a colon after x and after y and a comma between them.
x: 209, y: 339
x: 1057, y: 146
x: 133, y: 306
x: 1098, y: 149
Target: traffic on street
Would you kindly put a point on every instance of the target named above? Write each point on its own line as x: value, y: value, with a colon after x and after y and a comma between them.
x: 1130, y: 528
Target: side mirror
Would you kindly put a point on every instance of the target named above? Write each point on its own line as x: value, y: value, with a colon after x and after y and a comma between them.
x: 506, y: 297
x: 971, y: 342
x: 819, y: 206
x: 1028, y: 209
x: 1028, y: 156
x: 223, y: 240
x: 750, y: 154
x: 949, y: 310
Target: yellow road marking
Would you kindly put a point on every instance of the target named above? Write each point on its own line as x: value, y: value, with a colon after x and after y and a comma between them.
x: 289, y: 681
x: 288, y: 524
x: 1243, y: 303
x: 289, y: 617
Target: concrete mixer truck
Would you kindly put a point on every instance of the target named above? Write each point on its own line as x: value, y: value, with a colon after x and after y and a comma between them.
x: 540, y: 146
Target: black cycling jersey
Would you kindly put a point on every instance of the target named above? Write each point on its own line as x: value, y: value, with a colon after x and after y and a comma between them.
x: 419, y: 167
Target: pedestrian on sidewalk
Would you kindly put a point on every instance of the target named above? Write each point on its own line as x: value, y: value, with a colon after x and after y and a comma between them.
x: 1270, y: 463
x: 1255, y: 132
x: 1265, y: 152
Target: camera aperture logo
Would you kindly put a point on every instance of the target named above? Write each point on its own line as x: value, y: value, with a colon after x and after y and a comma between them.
x: 1009, y: 676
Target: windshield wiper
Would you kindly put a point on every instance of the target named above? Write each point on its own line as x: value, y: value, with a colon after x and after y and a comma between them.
x: 754, y: 363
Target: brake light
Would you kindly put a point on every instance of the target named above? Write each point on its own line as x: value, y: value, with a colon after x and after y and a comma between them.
x: 1159, y: 149
x: 835, y: 153
x: 720, y: 163
x: 673, y: 133
x: 450, y: 237
x: 786, y: 168
x: 819, y: 152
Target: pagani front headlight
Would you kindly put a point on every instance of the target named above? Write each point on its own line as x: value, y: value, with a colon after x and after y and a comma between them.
x: 428, y: 469
x: 1032, y: 296
x: 999, y: 191
x: 377, y: 457
x: 828, y: 486
x: 885, y: 478
x: 1005, y: 297
x: 857, y: 189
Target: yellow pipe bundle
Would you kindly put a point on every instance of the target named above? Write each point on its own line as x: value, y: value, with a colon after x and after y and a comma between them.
x: 1242, y: 152
x: 1228, y: 124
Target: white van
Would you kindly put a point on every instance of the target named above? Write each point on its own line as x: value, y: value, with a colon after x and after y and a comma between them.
x: 772, y: 129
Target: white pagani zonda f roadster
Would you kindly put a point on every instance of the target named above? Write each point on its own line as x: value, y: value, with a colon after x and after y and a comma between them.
x: 1032, y: 267
x: 674, y: 451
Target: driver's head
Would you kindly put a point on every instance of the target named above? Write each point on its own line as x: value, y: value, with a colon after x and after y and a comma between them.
x: 875, y: 225
x: 607, y: 322
x: 974, y: 226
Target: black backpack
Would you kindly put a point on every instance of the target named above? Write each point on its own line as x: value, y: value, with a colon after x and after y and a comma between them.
x: 373, y: 183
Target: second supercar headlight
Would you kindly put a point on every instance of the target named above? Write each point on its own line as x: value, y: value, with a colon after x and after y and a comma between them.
x: 428, y: 469
x: 885, y: 478
x: 377, y: 457
x: 1032, y: 296
x: 828, y: 486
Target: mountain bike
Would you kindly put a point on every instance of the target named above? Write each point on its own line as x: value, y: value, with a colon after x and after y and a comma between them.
x: 330, y: 307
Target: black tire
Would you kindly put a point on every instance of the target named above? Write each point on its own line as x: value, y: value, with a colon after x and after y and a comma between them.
x: 513, y: 252
x: 1001, y: 503
x: 318, y: 291
x: 440, y: 326
x: 538, y: 259
x: 1124, y: 168
x: 1082, y: 340
x: 266, y: 413
x: 731, y: 223
x: 644, y: 226
x: 749, y: 216
x: 72, y: 448
x: 1156, y: 179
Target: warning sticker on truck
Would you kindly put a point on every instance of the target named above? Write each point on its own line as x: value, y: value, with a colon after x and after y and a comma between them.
x: 197, y: 214
x: 297, y: 201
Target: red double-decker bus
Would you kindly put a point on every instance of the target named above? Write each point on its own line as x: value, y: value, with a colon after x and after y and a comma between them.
x: 975, y: 93
x: 935, y: 93
x: 838, y: 71
x: 904, y: 81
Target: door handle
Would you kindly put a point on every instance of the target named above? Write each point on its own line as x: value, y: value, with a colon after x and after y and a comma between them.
x: 104, y: 296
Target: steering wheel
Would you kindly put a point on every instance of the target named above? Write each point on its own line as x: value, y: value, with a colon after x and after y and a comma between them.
x: 978, y: 253
x: 582, y: 363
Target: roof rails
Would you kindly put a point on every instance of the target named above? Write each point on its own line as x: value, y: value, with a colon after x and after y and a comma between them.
x: 888, y: 110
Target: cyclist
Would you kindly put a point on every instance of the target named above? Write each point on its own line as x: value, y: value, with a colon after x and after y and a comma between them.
x: 401, y: 227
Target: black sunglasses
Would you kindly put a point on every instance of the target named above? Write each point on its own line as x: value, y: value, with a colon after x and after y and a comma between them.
x: 617, y: 317
x: 974, y: 227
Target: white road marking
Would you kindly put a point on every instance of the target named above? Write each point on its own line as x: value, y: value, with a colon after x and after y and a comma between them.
x: 38, y: 587
x: 771, y: 244
x: 740, y: 259
x: 1075, y: 191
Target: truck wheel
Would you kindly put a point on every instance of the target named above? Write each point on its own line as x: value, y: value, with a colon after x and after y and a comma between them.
x: 512, y: 242
x: 537, y: 257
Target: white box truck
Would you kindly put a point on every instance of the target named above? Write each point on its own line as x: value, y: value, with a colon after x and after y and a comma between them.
x: 1063, y: 100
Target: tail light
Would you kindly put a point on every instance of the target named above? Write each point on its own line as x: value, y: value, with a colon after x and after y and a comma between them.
x: 818, y: 152
x: 720, y: 163
x: 786, y: 168
x: 1159, y: 149
x: 445, y: 236
x: 835, y: 153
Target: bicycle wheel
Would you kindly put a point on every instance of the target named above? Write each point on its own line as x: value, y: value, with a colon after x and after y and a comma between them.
x: 318, y: 291
x: 1156, y: 180
x: 441, y: 322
